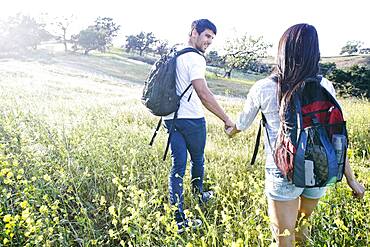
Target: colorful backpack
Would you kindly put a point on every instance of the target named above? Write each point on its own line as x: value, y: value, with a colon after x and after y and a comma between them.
x: 311, y: 145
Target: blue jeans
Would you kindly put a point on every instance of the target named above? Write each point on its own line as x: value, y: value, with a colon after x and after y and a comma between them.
x: 187, y: 135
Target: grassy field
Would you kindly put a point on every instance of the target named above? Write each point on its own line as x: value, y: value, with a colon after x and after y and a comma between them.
x: 76, y: 168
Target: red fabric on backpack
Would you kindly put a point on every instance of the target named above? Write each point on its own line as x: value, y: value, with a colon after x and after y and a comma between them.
x: 320, y: 107
x: 325, y: 112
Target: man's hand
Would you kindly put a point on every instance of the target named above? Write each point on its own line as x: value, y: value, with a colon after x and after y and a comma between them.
x: 228, y: 123
x: 231, y: 131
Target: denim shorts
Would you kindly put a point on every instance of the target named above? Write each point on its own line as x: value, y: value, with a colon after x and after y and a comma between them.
x: 278, y: 188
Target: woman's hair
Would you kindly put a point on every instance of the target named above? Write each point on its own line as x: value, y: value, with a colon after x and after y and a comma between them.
x: 297, y: 59
x: 203, y: 24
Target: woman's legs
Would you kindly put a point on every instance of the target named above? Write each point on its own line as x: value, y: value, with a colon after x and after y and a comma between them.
x: 283, y: 217
x: 286, y: 204
x: 306, y: 207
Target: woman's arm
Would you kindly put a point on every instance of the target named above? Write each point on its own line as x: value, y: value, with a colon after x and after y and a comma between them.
x: 357, y: 188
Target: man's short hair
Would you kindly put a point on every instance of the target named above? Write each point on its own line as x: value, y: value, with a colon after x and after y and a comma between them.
x: 203, y: 24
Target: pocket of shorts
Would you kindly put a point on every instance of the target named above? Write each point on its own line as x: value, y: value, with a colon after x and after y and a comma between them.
x: 274, y: 173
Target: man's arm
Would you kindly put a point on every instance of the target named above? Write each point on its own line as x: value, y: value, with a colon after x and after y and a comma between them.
x: 209, y: 101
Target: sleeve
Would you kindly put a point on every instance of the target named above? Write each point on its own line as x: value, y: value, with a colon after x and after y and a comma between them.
x: 197, y: 69
x: 328, y: 85
x: 251, y: 108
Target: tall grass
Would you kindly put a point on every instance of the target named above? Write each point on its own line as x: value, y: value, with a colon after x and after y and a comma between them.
x: 76, y: 170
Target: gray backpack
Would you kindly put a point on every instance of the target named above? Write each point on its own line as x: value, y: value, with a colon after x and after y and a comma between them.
x: 159, y: 94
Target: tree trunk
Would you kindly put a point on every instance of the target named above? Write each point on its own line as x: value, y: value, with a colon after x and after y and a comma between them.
x: 227, y: 74
x: 64, y: 40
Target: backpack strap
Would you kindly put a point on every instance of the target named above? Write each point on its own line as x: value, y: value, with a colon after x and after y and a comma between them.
x: 258, y: 138
x: 186, y: 50
x: 263, y: 123
x: 255, y: 151
x: 155, y: 132
x: 173, y: 123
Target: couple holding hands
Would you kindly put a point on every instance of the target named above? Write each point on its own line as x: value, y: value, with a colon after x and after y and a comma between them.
x: 297, y: 59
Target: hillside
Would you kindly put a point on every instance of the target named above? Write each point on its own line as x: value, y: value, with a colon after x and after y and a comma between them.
x: 342, y: 62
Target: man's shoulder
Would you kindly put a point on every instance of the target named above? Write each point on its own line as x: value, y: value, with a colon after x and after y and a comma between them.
x: 192, y: 57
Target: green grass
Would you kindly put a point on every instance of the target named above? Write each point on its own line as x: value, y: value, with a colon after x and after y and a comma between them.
x: 76, y: 168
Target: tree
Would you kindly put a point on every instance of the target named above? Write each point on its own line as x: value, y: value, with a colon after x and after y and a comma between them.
x: 131, y: 43
x: 351, y: 47
x: 213, y: 59
x: 97, y: 37
x: 351, y: 82
x: 22, y: 32
x: 144, y: 41
x: 364, y: 51
x: 89, y: 39
x: 162, y: 47
x: 242, y: 51
x: 63, y: 24
x: 108, y: 28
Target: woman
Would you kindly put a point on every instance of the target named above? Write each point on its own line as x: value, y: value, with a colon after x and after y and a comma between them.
x: 298, y: 59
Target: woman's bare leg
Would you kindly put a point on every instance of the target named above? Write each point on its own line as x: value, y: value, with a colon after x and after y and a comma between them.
x: 306, y: 207
x: 283, y: 217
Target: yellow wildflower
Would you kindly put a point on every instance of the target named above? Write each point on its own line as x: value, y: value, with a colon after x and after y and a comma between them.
x: 24, y: 204
x: 5, y: 241
x: 102, y: 201
x: 47, y: 178
x: 112, y: 210
x: 7, y: 218
x: 44, y: 209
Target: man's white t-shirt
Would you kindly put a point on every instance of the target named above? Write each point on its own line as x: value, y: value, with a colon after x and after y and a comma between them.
x: 190, y: 66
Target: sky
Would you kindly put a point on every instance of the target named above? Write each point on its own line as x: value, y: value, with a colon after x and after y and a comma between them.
x: 336, y: 21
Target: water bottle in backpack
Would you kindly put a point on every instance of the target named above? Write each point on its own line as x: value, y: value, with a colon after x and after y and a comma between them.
x: 340, y: 145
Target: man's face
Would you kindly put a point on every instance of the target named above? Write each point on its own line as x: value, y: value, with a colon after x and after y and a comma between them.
x: 203, y: 40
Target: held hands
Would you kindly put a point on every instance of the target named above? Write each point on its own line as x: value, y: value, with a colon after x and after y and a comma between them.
x: 230, y: 128
x: 358, y: 190
x: 230, y: 131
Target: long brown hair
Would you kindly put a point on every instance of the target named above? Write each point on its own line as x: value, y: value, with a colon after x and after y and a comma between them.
x: 298, y: 59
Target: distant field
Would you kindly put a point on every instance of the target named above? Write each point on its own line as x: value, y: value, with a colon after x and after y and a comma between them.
x: 76, y: 168
x: 348, y: 61
x: 342, y: 62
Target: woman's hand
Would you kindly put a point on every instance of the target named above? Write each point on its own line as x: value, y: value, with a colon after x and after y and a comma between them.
x: 231, y: 131
x: 358, y: 189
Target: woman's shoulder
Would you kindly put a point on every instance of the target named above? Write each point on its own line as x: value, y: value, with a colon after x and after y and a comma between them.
x: 265, y: 84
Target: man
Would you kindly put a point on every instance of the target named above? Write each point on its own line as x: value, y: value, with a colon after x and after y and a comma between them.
x: 189, y: 130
